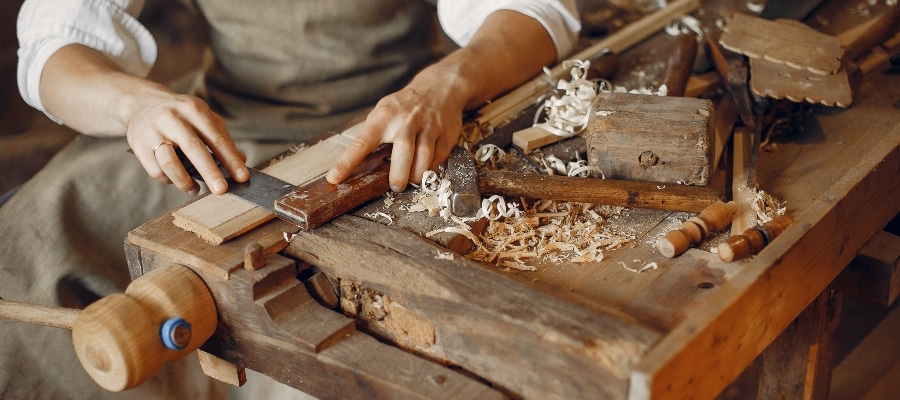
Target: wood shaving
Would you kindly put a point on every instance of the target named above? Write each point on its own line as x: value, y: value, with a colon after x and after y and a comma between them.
x: 377, y: 215
x: 568, y: 114
x: 444, y: 255
x: 766, y: 207
x: 289, y: 238
x: 647, y: 267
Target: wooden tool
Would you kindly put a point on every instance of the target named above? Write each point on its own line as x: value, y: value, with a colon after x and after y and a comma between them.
x: 652, y: 138
x: 782, y: 43
x: 598, y: 191
x: 319, y: 201
x: 696, y: 229
x: 753, y: 240
x: 837, y: 88
x: 679, y: 63
x: 123, y: 339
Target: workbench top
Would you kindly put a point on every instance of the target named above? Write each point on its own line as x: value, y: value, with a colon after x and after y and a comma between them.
x: 685, y: 329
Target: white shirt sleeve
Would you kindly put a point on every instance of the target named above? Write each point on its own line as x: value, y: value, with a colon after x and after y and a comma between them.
x: 461, y: 18
x: 108, y: 26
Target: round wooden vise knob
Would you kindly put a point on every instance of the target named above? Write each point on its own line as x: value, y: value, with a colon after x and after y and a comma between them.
x: 123, y: 339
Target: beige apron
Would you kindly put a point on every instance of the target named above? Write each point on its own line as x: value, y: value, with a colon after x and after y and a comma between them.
x: 284, y: 71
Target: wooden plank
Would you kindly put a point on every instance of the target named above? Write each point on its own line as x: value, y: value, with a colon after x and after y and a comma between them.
x: 744, y: 315
x: 782, y: 43
x: 798, y: 364
x: 219, y: 218
x: 874, y: 274
x: 743, y: 184
x: 872, y: 370
x: 652, y: 138
x: 533, y: 138
x: 520, y: 339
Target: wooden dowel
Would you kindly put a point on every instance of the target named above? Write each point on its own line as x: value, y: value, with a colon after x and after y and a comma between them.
x: 56, y: 317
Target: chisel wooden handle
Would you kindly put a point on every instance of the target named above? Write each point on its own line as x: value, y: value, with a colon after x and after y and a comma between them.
x: 753, y: 240
x: 123, y: 339
x: 696, y: 229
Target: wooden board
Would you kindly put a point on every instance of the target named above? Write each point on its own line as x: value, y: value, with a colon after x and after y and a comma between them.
x: 652, y: 138
x: 782, y: 43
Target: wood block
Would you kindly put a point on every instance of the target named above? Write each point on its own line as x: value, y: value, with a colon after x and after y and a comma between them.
x: 221, y: 370
x: 783, y: 43
x: 652, y: 138
x: 535, y: 137
x: 875, y: 272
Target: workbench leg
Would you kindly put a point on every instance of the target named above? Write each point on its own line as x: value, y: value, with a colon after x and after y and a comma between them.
x: 798, y: 364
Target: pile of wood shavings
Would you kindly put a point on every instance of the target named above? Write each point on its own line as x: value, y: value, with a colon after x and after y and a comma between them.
x: 552, y: 231
x: 519, y: 238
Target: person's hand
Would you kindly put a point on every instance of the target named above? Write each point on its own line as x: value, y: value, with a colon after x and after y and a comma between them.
x: 91, y: 94
x: 165, y: 121
x: 423, y: 121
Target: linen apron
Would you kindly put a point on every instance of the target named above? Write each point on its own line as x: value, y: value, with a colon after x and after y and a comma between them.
x: 284, y: 72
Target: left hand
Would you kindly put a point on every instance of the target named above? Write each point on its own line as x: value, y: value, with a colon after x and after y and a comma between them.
x: 422, y: 120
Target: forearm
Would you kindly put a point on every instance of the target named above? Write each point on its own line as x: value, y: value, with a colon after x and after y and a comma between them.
x: 508, y: 49
x: 90, y: 93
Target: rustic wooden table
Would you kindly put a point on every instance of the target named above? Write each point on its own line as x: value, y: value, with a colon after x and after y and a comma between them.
x: 591, y: 330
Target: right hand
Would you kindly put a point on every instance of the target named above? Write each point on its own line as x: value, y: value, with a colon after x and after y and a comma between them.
x: 167, y: 120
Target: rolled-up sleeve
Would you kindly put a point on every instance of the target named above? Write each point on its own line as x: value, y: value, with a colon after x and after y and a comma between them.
x: 461, y: 18
x: 108, y: 26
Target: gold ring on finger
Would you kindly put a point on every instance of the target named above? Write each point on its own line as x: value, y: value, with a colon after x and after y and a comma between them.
x: 162, y: 143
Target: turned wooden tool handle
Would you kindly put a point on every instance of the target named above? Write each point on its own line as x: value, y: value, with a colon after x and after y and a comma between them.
x: 693, y: 231
x: 753, y: 240
x: 123, y: 339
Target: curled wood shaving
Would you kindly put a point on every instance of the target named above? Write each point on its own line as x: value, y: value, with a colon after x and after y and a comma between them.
x: 568, y: 114
x: 490, y: 154
x: 376, y: 215
x: 766, y: 207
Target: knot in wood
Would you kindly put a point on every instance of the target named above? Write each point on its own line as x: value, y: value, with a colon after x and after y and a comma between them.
x: 648, y: 159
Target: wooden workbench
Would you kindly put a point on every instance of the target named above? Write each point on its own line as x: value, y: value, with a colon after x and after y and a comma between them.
x: 593, y: 330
